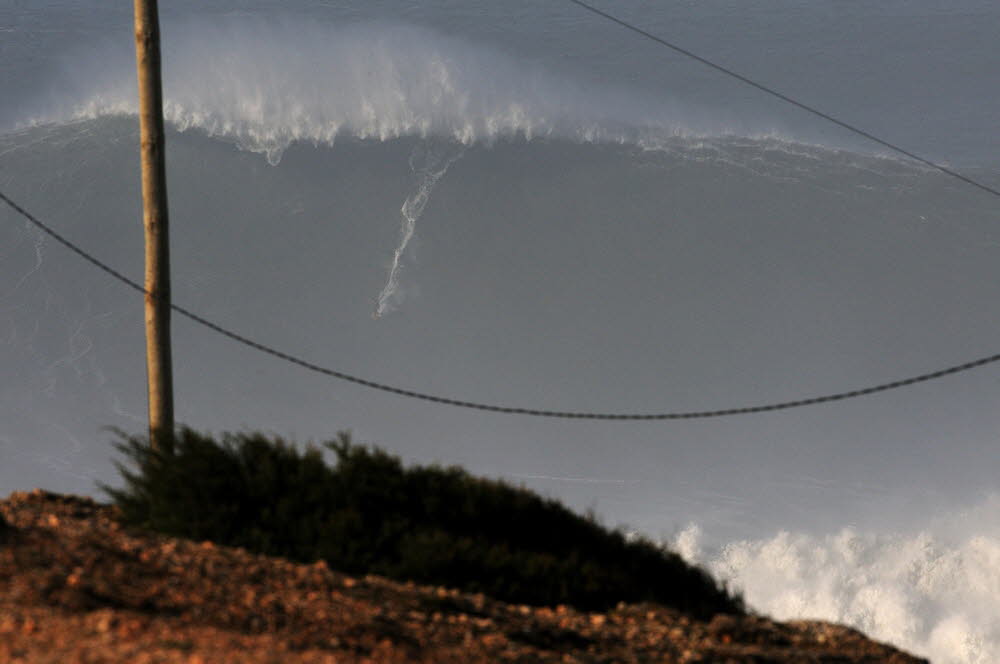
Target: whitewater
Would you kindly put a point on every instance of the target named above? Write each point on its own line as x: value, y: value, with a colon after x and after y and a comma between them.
x: 241, y: 81
x: 933, y: 591
x: 473, y: 217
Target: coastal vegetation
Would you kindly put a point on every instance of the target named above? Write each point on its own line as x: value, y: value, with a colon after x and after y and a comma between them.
x: 369, y: 514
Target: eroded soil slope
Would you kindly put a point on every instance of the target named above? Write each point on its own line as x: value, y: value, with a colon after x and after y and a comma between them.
x: 76, y: 586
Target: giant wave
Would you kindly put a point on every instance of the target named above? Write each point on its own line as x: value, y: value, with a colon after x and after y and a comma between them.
x: 266, y: 86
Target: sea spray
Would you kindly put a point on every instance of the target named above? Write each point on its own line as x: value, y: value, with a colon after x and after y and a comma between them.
x: 931, y: 592
x: 265, y: 86
x: 429, y: 162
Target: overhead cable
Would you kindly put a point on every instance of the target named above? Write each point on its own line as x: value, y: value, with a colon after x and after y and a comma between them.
x: 511, y: 410
x: 787, y: 99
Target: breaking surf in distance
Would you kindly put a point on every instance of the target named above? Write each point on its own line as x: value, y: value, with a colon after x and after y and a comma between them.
x: 931, y: 592
x: 266, y: 86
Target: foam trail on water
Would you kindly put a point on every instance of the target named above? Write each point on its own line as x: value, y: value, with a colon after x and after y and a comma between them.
x: 934, y: 593
x: 429, y: 163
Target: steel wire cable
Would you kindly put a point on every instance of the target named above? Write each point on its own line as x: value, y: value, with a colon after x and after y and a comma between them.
x: 786, y: 98
x: 512, y: 410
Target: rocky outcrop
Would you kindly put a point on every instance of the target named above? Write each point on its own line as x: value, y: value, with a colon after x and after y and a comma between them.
x: 76, y: 586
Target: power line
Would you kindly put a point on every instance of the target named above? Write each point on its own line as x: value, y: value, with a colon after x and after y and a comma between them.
x: 580, y: 415
x: 786, y: 98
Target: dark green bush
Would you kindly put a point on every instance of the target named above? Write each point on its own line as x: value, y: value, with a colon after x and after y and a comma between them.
x: 369, y: 514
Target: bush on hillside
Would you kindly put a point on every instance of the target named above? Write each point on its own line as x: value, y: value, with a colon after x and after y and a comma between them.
x: 369, y: 514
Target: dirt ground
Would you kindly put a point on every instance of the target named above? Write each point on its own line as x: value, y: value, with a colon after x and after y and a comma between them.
x: 77, y: 587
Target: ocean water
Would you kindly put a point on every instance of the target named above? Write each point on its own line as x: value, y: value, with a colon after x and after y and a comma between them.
x: 932, y: 591
x: 521, y: 204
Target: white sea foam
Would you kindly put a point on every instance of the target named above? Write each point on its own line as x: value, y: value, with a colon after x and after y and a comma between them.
x: 935, y: 593
x: 429, y: 163
x: 266, y: 85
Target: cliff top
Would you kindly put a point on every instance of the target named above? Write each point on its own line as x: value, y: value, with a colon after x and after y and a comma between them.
x: 77, y: 586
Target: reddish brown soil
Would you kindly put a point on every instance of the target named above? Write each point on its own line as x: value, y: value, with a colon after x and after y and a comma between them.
x: 76, y: 586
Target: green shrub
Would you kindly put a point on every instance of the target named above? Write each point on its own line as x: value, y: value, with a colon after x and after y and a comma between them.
x: 369, y: 514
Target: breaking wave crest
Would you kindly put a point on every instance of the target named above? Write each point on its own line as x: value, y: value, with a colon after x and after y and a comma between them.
x: 932, y: 593
x: 266, y: 85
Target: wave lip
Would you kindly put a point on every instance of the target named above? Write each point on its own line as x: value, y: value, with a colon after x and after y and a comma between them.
x: 266, y: 86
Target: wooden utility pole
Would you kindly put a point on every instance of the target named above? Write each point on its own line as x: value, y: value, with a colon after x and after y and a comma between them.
x: 159, y: 372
